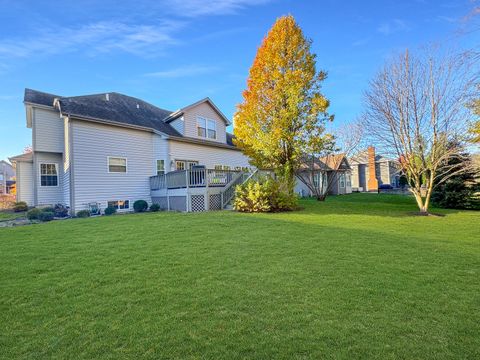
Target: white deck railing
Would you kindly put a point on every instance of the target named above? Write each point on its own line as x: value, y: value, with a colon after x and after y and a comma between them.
x: 193, y: 178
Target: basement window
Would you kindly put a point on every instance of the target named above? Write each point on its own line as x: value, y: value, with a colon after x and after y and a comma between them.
x: 119, y: 204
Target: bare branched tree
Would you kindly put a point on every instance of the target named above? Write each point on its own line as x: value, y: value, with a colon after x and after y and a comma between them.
x: 416, y: 110
x: 315, y: 170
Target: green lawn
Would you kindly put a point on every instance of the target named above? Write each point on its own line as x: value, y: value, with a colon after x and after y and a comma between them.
x: 10, y: 215
x: 356, y: 277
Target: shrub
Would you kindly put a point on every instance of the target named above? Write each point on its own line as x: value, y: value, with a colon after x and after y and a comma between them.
x: 60, y: 211
x: 460, y: 191
x: 154, y: 207
x: 46, y: 216
x: 265, y: 195
x: 110, y: 210
x: 251, y: 197
x: 48, y: 209
x: 83, y: 213
x: 34, y: 214
x: 20, y: 206
x: 456, y: 193
x: 7, y: 201
x: 140, y: 206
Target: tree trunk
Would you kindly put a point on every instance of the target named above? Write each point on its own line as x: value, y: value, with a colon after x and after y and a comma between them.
x: 422, y: 206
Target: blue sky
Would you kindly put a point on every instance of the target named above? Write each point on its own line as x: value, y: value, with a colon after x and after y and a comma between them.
x: 174, y: 52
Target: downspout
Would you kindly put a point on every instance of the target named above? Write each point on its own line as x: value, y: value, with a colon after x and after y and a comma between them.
x: 35, y: 169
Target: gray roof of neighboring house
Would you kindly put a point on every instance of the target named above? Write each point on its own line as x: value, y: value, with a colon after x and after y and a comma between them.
x: 362, y: 158
x: 118, y: 108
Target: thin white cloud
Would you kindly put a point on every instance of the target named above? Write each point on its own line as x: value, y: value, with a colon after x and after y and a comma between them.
x: 449, y: 19
x: 95, y: 38
x: 361, y: 42
x: 146, y: 33
x: 193, y: 8
x: 393, y: 26
x: 183, y: 71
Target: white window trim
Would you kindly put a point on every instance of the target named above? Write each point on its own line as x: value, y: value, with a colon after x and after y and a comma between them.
x: 40, y: 174
x: 207, y: 128
x: 156, y: 166
x: 129, y: 204
x: 117, y: 172
x: 214, y: 129
x: 187, y: 162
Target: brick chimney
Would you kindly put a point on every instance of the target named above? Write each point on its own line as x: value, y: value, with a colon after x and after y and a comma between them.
x: 372, y: 184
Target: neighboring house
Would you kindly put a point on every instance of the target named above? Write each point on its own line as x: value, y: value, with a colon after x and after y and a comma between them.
x: 7, y: 177
x: 369, y: 171
x: 332, y: 172
x: 112, y: 149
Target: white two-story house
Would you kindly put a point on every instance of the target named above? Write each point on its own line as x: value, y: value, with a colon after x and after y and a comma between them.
x: 112, y: 149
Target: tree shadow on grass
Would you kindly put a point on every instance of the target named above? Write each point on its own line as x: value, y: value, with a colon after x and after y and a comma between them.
x: 369, y: 205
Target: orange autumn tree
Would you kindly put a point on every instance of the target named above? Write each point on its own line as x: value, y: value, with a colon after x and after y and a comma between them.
x: 283, y: 110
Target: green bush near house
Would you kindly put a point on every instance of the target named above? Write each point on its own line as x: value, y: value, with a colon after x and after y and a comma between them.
x: 154, y: 207
x: 110, y: 210
x: 140, y: 206
x: 34, y: 214
x: 20, y: 206
x: 46, y: 216
x: 264, y: 195
x: 83, y: 213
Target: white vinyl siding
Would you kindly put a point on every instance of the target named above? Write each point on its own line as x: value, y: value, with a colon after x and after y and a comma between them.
x: 25, y: 180
x: 92, y: 144
x: 49, y: 195
x: 204, y: 110
x: 160, y: 152
x: 48, y: 131
x: 178, y: 124
x: 206, y: 155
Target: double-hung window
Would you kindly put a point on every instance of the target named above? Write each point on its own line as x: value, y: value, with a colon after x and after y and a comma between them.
x: 48, y: 175
x: 160, y: 167
x: 206, y: 128
x: 342, y: 180
x: 202, y: 127
x: 117, y: 164
x: 211, y: 129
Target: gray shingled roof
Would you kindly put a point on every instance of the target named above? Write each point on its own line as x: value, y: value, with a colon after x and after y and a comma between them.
x: 230, y: 138
x: 39, y: 97
x: 118, y: 108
